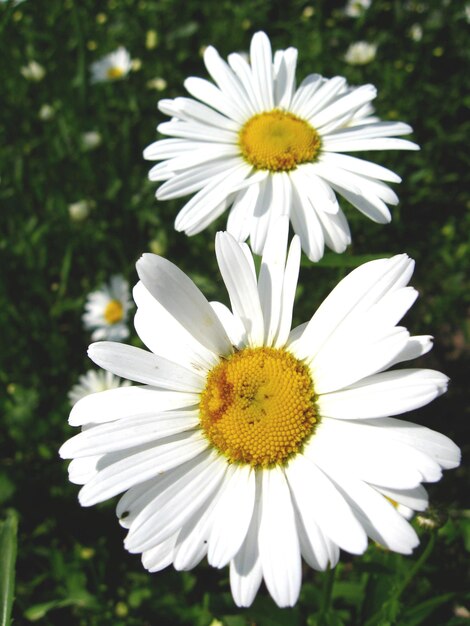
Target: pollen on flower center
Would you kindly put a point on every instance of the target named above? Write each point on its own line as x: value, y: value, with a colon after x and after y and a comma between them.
x: 114, y: 72
x: 258, y: 406
x: 113, y: 312
x: 278, y: 141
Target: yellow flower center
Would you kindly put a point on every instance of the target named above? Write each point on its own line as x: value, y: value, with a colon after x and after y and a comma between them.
x: 258, y: 407
x: 113, y: 312
x: 278, y: 141
x: 114, y: 72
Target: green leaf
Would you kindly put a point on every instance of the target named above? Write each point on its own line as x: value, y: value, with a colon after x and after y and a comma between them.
x: 417, y: 614
x: 8, y: 534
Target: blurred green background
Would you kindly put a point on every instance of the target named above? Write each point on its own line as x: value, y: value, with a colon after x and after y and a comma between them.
x: 71, y: 567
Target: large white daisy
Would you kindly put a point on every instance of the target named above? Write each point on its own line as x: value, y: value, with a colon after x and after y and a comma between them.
x: 256, y: 144
x: 106, y: 310
x: 257, y: 445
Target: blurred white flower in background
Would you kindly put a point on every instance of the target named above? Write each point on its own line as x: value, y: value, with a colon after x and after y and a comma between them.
x: 416, y: 32
x: 33, y: 71
x: 157, y: 83
x: 106, y: 310
x: 360, y: 53
x: 79, y: 211
x: 111, y: 67
x: 356, y: 8
x: 91, y: 140
x: 94, y: 381
x: 46, y: 112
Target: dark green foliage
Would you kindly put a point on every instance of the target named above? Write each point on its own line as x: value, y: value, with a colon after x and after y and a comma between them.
x: 71, y: 567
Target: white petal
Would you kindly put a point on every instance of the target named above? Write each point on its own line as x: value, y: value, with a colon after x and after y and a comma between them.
x: 369, y: 131
x: 304, y: 93
x: 384, y: 394
x: 184, y: 301
x: 380, y: 518
x: 271, y: 276
x: 191, y: 110
x: 232, y: 516
x: 144, y: 367
x: 305, y: 223
x: 416, y: 347
x: 159, y: 557
x: 198, y: 132
x: 241, y: 212
x: 439, y: 447
x: 416, y: 498
x: 217, y: 189
x: 338, y: 365
x: 285, y: 62
x: 317, y: 550
x: 372, y: 454
x: 278, y: 540
x: 355, y: 294
x: 289, y: 286
x: 262, y: 68
x: 164, y: 336
x: 191, y: 544
x: 335, y: 230
x: 114, y: 404
x: 333, y: 144
x: 167, y: 149
x: 82, y: 470
x: 359, y: 166
x: 245, y: 569
x: 207, y: 92
x: 136, y: 468
x: 128, y: 432
x: 227, y: 81
x: 174, y: 506
x: 345, y: 104
x: 241, y: 286
x: 196, y: 178
x: 232, y: 324
x: 327, y: 92
x: 317, y: 499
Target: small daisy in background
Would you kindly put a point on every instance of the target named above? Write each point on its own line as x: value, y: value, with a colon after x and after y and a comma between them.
x: 106, y: 311
x: 255, y: 144
x: 111, y: 67
x: 94, y: 381
x: 33, y: 71
x: 360, y: 53
x: 91, y: 139
x: 257, y: 445
x: 356, y: 8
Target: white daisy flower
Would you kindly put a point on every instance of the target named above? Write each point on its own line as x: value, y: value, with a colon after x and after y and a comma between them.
x: 94, y: 381
x: 253, y: 444
x: 360, y: 53
x: 355, y: 8
x: 106, y: 311
x: 111, y: 67
x: 259, y: 145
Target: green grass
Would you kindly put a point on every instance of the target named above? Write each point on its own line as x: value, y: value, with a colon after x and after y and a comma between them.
x: 71, y: 566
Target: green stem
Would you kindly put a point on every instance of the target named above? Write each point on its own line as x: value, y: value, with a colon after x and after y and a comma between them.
x: 329, y: 580
x: 399, y: 589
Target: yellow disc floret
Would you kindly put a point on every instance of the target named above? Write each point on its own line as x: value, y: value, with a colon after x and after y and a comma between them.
x: 114, y: 72
x: 258, y: 406
x: 278, y: 141
x: 113, y: 312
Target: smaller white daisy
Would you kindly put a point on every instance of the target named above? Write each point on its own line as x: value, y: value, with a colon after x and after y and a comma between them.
x: 94, y: 381
x: 360, y: 53
x: 111, y: 67
x: 106, y: 311
x: 355, y: 8
x: 33, y: 72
